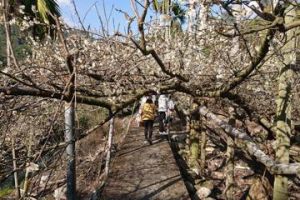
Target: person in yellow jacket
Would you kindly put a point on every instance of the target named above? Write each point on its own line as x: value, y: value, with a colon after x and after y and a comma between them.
x: 148, y: 115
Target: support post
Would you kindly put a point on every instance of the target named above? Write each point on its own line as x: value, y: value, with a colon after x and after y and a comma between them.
x: 15, y: 167
x: 26, y: 180
x: 6, y: 5
x: 110, y: 142
x: 70, y: 150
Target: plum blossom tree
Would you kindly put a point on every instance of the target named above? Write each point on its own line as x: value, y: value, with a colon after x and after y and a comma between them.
x: 222, y: 58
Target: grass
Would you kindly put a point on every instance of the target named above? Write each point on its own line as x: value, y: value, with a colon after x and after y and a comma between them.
x: 6, y: 191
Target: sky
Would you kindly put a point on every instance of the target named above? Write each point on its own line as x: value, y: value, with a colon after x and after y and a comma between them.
x: 85, y: 7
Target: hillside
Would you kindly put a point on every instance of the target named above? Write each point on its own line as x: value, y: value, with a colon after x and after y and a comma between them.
x: 19, y: 43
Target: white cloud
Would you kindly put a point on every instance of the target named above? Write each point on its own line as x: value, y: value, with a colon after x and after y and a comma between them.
x: 64, y: 2
x: 70, y: 22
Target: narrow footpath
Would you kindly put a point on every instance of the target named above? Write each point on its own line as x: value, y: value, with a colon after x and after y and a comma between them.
x: 142, y: 172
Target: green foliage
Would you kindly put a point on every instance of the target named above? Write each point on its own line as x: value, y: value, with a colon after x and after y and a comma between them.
x: 46, y: 10
x: 87, y: 118
x: 166, y: 7
x: 84, y: 122
x: 19, y: 44
x: 6, y: 191
x: 2, y: 45
x: 175, y: 10
x: 179, y: 13
x: 162, y: 6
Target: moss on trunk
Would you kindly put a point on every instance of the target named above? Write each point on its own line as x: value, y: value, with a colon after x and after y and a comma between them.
x: 283, y: 113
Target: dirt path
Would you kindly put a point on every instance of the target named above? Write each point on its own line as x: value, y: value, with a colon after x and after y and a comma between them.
x: 145, y: 172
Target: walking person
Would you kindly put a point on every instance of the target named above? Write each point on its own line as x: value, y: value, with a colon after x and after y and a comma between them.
x: 162, y: 113
x: 170, y: 113
x: 148, y: 115
x: 139, y: 115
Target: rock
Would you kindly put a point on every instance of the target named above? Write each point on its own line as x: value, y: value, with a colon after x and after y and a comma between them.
x: 218, y: 175
x: 195, y: 197
x: 190, y: 187
x: 209, y: 149
x: 193, y: 174
x: 181, y: 146
x: 44, y: 178
x: 242, y: 166
x: 203, y: 183
x: 32, y: 167
x: 208, y: 184
x: 187, y: 140
x: 183, y: 153
x: 60, y: 193
x: 197, y: 186
x: 196, y: 170
x: 198, y: 181
x: 179, y: 138
x: 203, y: 192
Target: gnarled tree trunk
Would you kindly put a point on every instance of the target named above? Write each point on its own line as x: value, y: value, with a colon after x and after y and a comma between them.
x: 203, y: 145
x: 283, y: 113
x: 194, y: 141
x: 230, y: 183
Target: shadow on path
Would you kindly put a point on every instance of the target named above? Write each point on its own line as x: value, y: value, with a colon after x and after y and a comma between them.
x: 145, y: 172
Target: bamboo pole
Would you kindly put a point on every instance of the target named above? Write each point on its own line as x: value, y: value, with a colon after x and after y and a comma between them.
x: 110, y: 142
x: 26, y: 180
x: 70, y: 150
x: 15, y: 167
x: 5, y: 4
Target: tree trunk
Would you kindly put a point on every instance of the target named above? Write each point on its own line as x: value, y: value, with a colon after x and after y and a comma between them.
x: 5, y: 4
x: 70, y: 150
x: 15, y: 167
x: 230, y: 183
x: 110, y: 142
x: 203, y: 17
x: 251, y: 147
x: 8, y: 47
x: 283, y: 113
x: 194, y: 141
x: 26, y: 180
x: 194, y: 147
x: 203, y: 145
x: 188, y: 129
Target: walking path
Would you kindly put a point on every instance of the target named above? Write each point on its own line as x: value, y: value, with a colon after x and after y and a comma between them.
x: 144, y: 172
